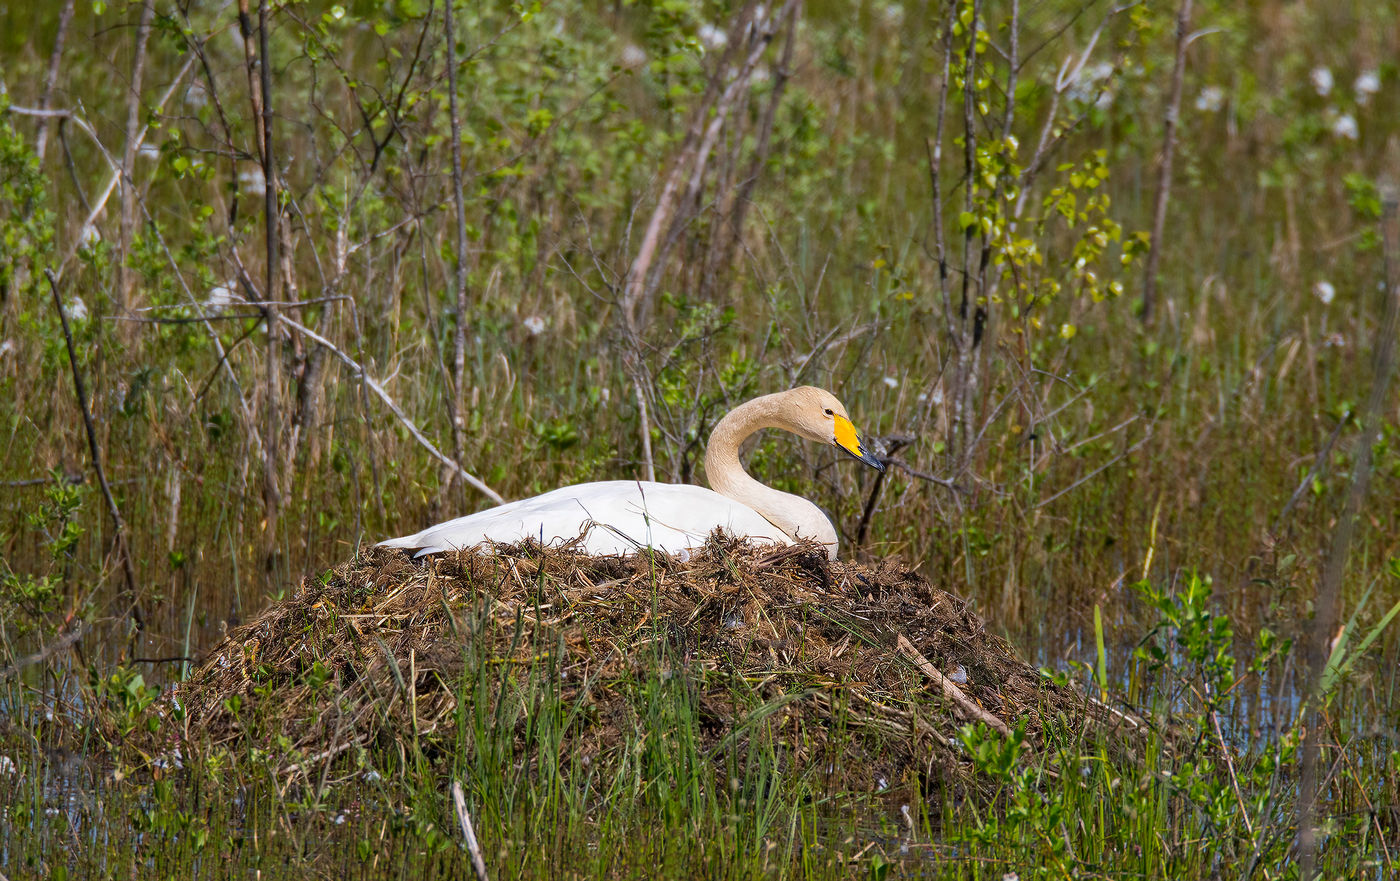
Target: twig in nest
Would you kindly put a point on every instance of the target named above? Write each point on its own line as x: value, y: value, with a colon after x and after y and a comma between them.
x: 951, y: 691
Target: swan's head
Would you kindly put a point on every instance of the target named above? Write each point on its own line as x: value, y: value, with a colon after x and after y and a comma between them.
x: 816, y: 414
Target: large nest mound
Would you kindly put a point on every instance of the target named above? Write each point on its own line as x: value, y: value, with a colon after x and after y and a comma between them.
x: 900, y: 664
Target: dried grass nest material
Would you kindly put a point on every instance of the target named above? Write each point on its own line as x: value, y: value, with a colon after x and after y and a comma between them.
x: 376, y: 649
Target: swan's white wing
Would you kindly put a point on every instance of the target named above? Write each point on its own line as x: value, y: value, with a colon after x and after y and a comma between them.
x: 614, y: 516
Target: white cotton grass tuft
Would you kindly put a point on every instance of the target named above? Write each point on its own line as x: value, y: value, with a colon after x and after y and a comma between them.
x: 1322, y: 80
x: 1092, y: 84
x: 221, y: 295
x: 892, y: 382
x: 6, y: 347
x: 76, y: 310
x: 88, y: 238
x: 1368, y: 83
x: 1210, y: 99
x: 633, y: 56
x: 1344, y: 126
x: 1325, y: 291
x: 534, y: 324
x: 196, y: 95
x: 253, y: 181
x: 712, y: 38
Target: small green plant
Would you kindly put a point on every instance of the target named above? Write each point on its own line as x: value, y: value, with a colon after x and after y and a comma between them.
x: 37, y: 597
x: 126, y: 696
x: 56, y: 518
x: 1025, y: 824
x: 29, y: 601
x: 1189, y: 631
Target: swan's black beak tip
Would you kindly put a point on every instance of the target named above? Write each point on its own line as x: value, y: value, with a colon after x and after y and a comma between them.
x: 848, y: 439
x: 868, y: 456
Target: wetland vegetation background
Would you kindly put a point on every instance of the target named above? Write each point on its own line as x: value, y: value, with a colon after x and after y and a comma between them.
x: 1110, y: 280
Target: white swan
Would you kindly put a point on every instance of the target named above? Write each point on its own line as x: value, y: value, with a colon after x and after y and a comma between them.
x: 620, y: 516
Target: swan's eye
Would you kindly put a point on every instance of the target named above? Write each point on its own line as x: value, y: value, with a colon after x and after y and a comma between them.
x: 828, y: 411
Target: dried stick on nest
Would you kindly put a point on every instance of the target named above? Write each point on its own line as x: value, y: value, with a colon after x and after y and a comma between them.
x: 951, y: 691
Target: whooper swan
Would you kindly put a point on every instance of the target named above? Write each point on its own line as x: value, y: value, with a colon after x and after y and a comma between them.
x: 620, y: 516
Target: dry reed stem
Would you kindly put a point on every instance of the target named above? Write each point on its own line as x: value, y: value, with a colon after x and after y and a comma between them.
x: 459, y: 803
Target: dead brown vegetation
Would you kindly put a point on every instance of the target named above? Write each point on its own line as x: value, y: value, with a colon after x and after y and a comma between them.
x: 780, y: 639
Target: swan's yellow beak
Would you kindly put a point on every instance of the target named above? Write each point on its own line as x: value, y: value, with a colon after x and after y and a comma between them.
x: 848, y: 439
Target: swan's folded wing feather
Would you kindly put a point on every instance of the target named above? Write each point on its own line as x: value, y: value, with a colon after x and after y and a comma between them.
x: 616, y: 516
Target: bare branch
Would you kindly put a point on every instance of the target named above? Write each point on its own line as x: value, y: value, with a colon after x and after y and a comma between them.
x: 740, y: 202
x: 891, y: 445
x: 935, y: 168
x: 1164, y: 175
x: 51, y: 78
x: 923, y: 475
x: 1097, y: 471
x: 112, y: 164
x: 457, y: 401
x: 272, y: 214
x: 133, y: 126
x: 690, y: 163
x: 369, y: 381
x: 118, y: 524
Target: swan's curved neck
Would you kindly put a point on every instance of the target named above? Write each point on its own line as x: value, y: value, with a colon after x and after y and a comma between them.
x: 795, y: 516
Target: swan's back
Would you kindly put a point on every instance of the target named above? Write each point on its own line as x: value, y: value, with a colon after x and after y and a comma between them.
x: 613, y: 516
